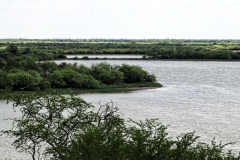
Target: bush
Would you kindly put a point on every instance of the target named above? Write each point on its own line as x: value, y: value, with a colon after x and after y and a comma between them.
x: 106, y: 73
x: 3, y: 80
x: 23, y: 80
x: 70, y: 78
x: 56, y: 79
x: 134, y: 74
x: 85, y: 57
x: 3, y: 62
x: 45, y: 85
x: 45, y: 68
x: 61, y: 56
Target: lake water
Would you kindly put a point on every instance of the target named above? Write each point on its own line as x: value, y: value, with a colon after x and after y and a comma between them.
x: 200, y: 96
x: 106, y: 56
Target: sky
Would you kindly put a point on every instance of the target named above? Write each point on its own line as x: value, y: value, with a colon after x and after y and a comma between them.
x: 120, y: 19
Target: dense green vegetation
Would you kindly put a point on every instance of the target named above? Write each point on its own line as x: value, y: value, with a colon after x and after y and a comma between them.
x: 26, y: 75
x: 25, y: 67
x: 149, y: 49
x: 68, y: 128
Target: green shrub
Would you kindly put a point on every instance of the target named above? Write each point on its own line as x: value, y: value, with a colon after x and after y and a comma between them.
x: 106, y: 73
x: 3, y: 80
x: 45, y: 85
x: 134, y: 74
x: 85, y: 57
x: 18, y: 79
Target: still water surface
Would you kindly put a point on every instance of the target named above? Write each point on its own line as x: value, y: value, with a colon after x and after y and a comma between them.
x: 197, y: 96
x: 106, y: 56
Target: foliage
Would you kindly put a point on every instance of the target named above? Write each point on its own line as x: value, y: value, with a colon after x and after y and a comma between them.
x: 70, y: 78
x: 23, y: 80
x: 106, y: 73
x: 3, y: 79
x: 67, y: 127
x: 135, y: 74
x: 49, y: 121
x: 85, y: 57
x: 3, y: 62
x: 23, y: 54
x: 151, y: 48
x: 12, y: 49
x: 23, y: 73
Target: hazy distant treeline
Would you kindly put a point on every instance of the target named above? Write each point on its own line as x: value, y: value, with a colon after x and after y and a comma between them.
x: 149, y: 49
x: 116, y: 40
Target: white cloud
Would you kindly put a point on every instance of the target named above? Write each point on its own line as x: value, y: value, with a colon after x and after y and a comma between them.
x: 120, y: 18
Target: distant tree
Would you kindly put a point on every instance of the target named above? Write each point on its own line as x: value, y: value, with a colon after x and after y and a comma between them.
x: 3, y: 79
x: 3, y: 62
x: 27, y: 51
x: 13, y: 49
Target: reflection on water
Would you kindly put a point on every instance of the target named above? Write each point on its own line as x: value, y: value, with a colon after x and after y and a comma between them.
x: 197, y: 96
x: 8, y: 152
x: 106, y: 56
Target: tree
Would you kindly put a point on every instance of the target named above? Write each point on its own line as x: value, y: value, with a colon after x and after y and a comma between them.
x: 57, y: 79
x: 27, y: 51
x: 106, y: 73
x: 133, y: 74
x: 3, y: 62
x: 3, y: 79
x: 18, y: 79
x: 50, y: 121
x: 68, y: 77
x: 13, y: 49
x: 104, y: 140
x: 47, y: 67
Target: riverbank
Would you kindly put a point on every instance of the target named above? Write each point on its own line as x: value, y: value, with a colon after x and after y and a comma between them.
x: 142, y: 59
x: 118, y: 88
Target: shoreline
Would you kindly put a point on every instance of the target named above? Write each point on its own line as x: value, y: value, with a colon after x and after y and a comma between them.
x: 124, y: 88
x: 140, y: 59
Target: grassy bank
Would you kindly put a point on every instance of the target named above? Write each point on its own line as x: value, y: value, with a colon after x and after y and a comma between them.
x: 102, y: 89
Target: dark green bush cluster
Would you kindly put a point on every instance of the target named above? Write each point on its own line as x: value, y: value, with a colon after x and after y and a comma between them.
x: 23, y: 73
x: 192, y: 53
x: 17, y: 79
x: 70, y: 129
x: 11, y: 51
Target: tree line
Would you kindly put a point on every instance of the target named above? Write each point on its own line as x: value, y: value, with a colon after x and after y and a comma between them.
x: 159, y: 49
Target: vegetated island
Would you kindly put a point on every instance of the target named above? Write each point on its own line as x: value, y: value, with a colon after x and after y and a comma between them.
x: 21, y: 73
x: 149, y: 49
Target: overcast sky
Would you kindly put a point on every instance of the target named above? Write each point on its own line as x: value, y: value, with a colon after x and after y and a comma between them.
x: 130, y: 19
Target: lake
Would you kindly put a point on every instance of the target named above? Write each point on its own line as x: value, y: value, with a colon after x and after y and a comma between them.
x: 200, y: 96
x: 106, y: 56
